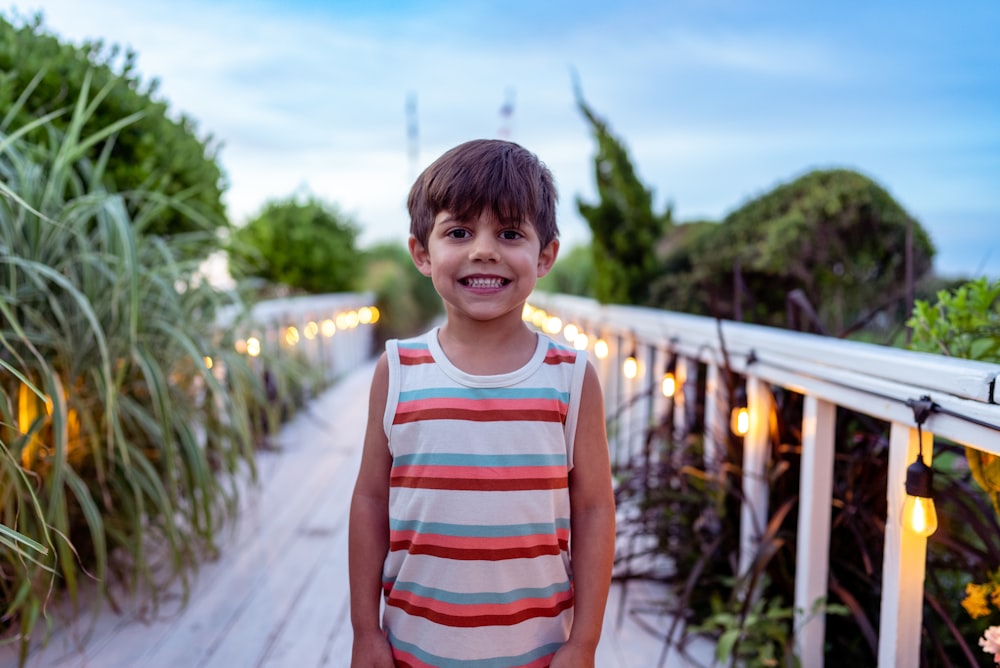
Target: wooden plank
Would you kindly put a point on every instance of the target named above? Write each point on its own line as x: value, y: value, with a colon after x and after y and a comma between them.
x: 905, y: 560
x: 819, y: 422
x: 321, y: 586
x: 320, y: 613
x: 278, y: 592
x: 756, y: 452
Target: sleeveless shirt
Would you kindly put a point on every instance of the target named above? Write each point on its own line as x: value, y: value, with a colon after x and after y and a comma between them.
x: 478, y: 571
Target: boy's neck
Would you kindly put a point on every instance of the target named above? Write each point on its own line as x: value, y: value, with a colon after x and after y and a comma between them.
x: 487, y: 349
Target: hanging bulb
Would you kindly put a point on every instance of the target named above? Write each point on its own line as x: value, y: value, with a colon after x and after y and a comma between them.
x: 601, y: 348
x: 739, y: 417
x: 630, y: 367
x: 919, y: 513
x: 669, y: 384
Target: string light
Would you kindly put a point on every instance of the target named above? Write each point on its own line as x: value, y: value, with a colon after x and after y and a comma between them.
x: 253, y: 346
x: 739, y: 417
x: 919, y: 514
x: 668, y: 384
x: 601, y: 349
x: 630, y: 367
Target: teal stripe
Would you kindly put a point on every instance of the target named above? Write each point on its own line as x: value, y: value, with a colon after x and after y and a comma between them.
x: 413, y: 346
x: 498, y: 662
x: 479, y: 598
x: 478, y: 530
x: 483, y: 461
x: 484, y: 393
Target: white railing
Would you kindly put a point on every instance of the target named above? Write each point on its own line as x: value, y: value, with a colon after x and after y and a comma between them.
x: 870, y: 379
x: 331, y: 330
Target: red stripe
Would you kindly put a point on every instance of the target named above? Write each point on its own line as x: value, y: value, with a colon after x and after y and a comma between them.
x: 508, y: 609
x: 473, y: 404
x: 478, y: 554
x: 407, y: 358
x: 560, y: 357
x: 561, y: 539
x: 479, y: 416
x: 478, y: 485
x: 472, y: 621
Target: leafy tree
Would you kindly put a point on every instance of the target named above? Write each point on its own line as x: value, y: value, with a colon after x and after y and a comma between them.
x: 306, y: 245
x: 40, y: 75
x: 571, y: 273
x: 625, y: 228
x: 834, y: 237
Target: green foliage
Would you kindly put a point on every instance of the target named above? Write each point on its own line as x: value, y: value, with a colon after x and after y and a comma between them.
x: 760, y: 634
x: 963, y: 323
x: 835, y: 235
x: 119, y: 446
x: 405, y: 297
x: 154, y: 156
x: 306, y: 245
x: 571, y: 274
x: 625, y: 229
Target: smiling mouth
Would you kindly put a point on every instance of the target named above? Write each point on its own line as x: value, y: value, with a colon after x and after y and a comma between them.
x: 484, y: 282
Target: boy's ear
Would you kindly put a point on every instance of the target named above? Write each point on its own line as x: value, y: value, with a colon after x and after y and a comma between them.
x: 547, y: 257
x: 421, y: 258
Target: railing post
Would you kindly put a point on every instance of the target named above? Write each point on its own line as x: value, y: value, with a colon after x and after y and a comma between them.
x: 716, y: 420
x: 904, y: 561
x: 756, y: 449
x: 812, y: 556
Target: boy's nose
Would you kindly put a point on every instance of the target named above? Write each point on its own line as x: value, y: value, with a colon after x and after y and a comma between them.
x: 484, y: 248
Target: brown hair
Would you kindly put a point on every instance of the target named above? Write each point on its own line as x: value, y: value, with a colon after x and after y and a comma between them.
x: 499, y: 175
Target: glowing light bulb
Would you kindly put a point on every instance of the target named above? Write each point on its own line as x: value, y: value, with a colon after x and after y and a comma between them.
x: 739, y: 421
x: 630, y: 367
x: 668, y: 385
x: 601, y: 349
x: 920, y: 515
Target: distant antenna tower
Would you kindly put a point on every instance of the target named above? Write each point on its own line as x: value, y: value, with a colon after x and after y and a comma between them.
x: 506, y: 114
x: 412, y: 134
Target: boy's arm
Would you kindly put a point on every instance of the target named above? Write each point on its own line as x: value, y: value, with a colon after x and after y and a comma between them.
x: 368, y: 540
x: 592, y: 515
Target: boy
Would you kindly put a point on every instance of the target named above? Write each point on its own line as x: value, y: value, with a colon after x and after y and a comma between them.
x: 485, y: 446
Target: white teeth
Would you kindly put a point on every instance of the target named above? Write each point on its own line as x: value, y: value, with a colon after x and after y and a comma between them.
x: 484, y: 282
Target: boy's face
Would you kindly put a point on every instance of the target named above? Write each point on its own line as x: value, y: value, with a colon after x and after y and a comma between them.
x: 482, y: 268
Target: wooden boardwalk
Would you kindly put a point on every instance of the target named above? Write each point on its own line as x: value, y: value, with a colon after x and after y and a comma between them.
x: 278, y: 594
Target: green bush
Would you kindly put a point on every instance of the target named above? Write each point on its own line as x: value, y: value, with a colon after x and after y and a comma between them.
x: 158, y: 153
x: 125, y: 415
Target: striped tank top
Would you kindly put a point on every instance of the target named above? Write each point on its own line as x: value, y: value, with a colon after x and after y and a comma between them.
x: 478, y: 571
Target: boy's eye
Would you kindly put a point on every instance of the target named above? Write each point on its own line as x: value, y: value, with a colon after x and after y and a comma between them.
x: 458, y: 233
x: 510, y: 235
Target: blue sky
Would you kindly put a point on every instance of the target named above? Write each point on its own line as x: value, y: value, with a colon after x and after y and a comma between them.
x: 718, y: 100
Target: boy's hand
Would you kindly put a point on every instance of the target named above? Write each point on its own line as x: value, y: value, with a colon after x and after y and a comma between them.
x: 573, y: 656
x: 372, y: 651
